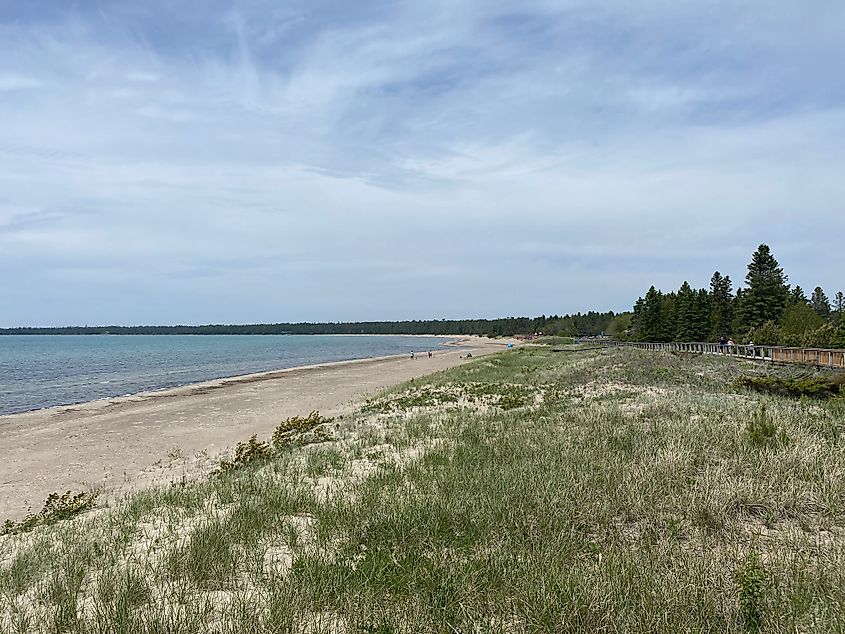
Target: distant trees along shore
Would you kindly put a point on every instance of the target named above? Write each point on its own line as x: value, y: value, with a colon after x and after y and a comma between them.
x: 591, y: 323
x: 766, y: 311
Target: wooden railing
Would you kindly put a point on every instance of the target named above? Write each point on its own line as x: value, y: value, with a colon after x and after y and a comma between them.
x: 820, y: 357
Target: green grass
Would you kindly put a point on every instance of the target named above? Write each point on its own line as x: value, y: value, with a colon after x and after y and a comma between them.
x: 597, y: 491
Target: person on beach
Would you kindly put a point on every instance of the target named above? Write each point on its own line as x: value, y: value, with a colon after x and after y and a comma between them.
x: 429, y: 354
x: 412, y: 354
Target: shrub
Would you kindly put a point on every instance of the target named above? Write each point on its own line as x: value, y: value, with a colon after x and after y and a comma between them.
x: 752, y: 590
x: 761, y: 430
x: 246, y: 453
x: 293, y: 430
x: 56, y: 508
x: 511, y: 401
x: 769, y: 334
x: 819, y: 387
x: 822, y: 337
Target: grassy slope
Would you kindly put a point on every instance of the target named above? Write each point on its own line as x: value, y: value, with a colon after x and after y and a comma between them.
x: 597, y: 491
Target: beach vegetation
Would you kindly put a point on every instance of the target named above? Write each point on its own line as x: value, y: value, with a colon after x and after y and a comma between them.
x: 301, y: 430
x: 762, y: 430
x: 57, y: 507
x: 819, y: 386
x: 629, y: 491
x: 247, y: 453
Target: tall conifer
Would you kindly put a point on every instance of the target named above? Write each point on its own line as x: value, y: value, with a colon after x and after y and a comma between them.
x: 766, y: 294
x: 820, y: 303
x: 721, y: 306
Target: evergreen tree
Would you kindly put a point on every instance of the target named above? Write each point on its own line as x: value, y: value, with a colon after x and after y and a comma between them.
x: 649, y: 316
x: 721, y: 306
x: 668, y: 317
x: 685, y: 313
x: 702, y: 315
x: 797, y: 296
x: 839, y: 305
x: 820, y: 303
x: 767, y: 293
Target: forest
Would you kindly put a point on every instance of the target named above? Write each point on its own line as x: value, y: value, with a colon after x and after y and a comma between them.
x: 587, y: 324
x: 767, y: 310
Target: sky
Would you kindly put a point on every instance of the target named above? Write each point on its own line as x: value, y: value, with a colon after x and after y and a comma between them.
x: 211, y: 161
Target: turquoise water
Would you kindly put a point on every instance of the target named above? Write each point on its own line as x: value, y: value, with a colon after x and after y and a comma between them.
x: 47, y: 370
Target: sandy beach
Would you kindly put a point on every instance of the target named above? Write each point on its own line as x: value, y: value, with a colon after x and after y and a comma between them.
x: 124, y: 443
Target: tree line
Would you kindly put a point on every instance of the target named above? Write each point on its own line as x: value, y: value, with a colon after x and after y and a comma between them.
x: 578, y: 324
x: 767, y: 310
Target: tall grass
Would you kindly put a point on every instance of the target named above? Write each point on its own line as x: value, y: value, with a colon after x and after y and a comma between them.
x: 596, y: 491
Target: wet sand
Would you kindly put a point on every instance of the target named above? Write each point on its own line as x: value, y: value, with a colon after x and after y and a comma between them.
x: 124, y: 443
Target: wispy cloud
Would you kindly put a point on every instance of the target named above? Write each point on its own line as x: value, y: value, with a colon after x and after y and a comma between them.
x: 10, y: 82
x: 557, y: 157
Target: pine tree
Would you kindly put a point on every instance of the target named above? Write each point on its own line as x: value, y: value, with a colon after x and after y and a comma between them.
x: 648, y: 317
x: 721, y: 306
x: 668, y: 317
x: 820, y: 303
x: 797, y: 296
x: 839, y: 305
x: 767, y: 293
x: 702, y: 314
x: 685, y: 313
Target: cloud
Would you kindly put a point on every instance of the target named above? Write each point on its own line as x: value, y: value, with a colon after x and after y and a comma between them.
x: 315, y: 161
x: 155, y: 111
x: 9, y: 82
x: 142, y: 77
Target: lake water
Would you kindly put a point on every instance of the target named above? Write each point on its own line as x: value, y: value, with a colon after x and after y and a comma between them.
x: 45, y: 370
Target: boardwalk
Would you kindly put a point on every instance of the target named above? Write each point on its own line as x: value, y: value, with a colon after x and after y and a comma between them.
x: 816, y: 357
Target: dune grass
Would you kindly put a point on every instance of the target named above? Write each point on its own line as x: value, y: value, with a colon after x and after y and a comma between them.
x: 598, y: 491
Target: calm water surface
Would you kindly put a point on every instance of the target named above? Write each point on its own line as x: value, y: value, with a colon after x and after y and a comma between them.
x: 45, y: 370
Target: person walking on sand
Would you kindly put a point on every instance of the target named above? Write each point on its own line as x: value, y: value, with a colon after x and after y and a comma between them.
x: 429, y: 354
x: 412, y: 354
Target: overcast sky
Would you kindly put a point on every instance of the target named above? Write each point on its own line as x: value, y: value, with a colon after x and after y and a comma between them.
x: 267, y: 160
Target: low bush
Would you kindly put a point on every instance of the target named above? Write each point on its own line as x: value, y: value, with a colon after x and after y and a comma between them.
x: 762, y: 431
x: 511, y: 401
x: 293, y: 430
x: 56, y: 508
x: 751, y: 579
x: 819, y: 387
x: 246, y: 453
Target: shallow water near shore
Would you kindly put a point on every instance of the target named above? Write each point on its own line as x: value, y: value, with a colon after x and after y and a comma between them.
x: 48, y: 370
